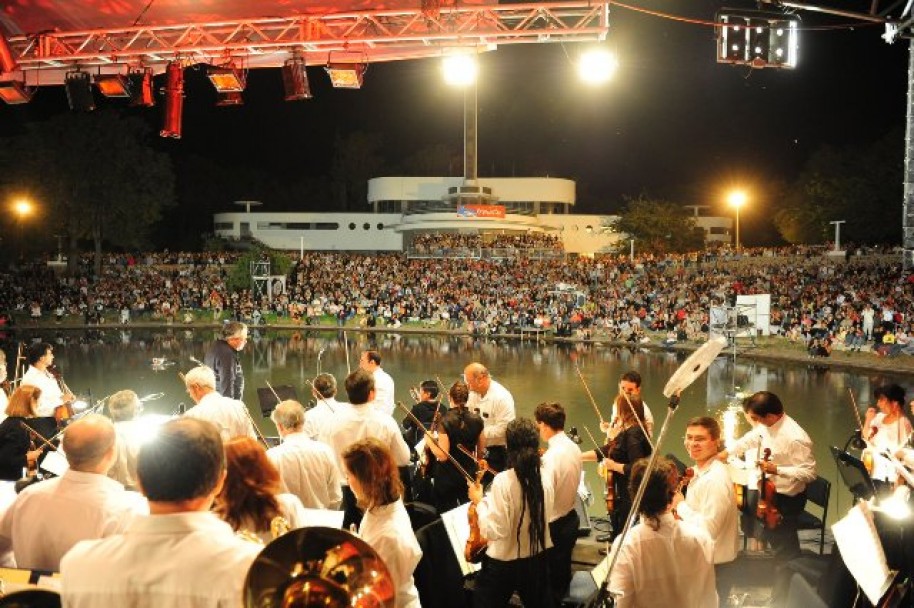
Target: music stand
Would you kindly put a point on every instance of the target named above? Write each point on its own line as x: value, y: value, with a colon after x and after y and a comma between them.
x: 268, y: 400
x: 854, y: 474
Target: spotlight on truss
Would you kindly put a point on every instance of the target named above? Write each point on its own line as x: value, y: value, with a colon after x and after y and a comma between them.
x: 78, y: 85
x: 229, y: 98
x: 346, y: 75
x: 295, y: 80
x: 226, y: 78
x: 760, y: 39
x: 173, y: 111
x: 14, y: 92
x: 141, y: 88
x: 113, y: 85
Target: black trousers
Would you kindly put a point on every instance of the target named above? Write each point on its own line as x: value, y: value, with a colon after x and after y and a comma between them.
x: 784, y: 540
x: 564, y: 533
x: 498, y: 580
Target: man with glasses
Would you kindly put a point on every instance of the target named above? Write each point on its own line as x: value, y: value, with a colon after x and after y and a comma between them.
x: 222, y: 357
x: 710, y: 501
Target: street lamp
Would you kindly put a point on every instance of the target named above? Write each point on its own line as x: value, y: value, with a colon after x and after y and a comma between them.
x: 737, y: 199
x: 23, y: 208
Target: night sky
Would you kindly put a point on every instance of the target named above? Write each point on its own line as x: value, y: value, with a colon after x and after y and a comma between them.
x: 672, y: 124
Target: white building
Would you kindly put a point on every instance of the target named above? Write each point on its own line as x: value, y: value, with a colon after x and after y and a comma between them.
x: 405, y: 206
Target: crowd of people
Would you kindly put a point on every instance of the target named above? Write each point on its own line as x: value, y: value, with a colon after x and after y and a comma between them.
x: 859, y: 303
x: 444, y: 244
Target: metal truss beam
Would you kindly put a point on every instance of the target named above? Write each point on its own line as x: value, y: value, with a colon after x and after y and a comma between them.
x: 364, y: 36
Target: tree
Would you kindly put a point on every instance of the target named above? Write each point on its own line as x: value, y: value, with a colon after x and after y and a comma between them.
x: 660, y: 226
x: 97, y: 178
x: 356, y: 159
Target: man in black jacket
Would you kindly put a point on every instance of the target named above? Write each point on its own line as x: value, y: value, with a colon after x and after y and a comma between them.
x: 223, y: 358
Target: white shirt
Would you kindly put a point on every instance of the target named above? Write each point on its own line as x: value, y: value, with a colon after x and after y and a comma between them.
x: 51, y: 395
x: 672, y: 566
x: 711, y: 504
x: 184, y: 560
x: 319, y: 418
x: 360, y: 421
x: 384, y: 395
x: 388, y: 531
x: 49, y: 517
x: 562, y: 463
x: 496, y: 409
x: 227, y: 414
x: 4, y: 401
x: 791, y: 451
x: 648, y: 417
x: 128, y: 447
x: 887, y: 437
x: 308, y: 469
x: 500, y: 511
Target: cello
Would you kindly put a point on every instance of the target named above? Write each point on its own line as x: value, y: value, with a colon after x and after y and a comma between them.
x: 767, y: 510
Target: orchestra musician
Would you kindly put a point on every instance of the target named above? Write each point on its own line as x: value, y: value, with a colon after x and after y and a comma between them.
x: 495, y: 405
x: 373, y: 476
x: 17, y: 451
x: 4, y: 384
x: 182, y: 554
x: 710, y: 502
x: 791, y: 467
x: 563, y: 462
x: 513, y: 517
x: 251, y: 497
x: 886, y: 430
x: 319, y: 418
x: 630, y: 384
x: 663, y: 561
x: 458, y: 428
x: 627, y: 444
x: 384, y: 399
x: 227, y: 414
x: 40, y: 357
x: 124, y: 407
x: 426, y: 410
x: 49, y: 518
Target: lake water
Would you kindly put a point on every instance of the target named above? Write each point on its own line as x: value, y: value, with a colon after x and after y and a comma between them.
x: 102, y: 362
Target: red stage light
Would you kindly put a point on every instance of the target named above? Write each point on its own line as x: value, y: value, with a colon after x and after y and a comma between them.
x: 174, y: 101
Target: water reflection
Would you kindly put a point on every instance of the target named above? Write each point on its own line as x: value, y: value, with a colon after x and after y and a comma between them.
x: 100, y: 362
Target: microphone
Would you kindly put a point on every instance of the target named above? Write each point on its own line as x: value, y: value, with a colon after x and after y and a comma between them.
x: 180, y: 409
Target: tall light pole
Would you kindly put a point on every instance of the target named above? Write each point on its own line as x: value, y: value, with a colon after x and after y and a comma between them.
x: 737, y: 199
x: 22, y: 208
x: 837, y: 224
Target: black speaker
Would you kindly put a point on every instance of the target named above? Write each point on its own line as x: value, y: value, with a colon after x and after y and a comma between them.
x: 79, y: 91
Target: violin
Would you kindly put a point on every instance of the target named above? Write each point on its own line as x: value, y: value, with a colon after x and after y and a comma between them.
x: 766, y: 510
x: 63, y: 413
x: 475, y: 547
x: 684, y: 480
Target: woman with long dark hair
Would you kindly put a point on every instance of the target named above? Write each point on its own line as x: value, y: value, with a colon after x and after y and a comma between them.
x: 627, y: 444
x: 513, y: 518
x: 375, y: 481
x: 250, y: 500
x: 460, y: 428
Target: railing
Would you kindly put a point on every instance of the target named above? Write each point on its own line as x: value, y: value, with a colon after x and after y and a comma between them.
x: 484, y: 253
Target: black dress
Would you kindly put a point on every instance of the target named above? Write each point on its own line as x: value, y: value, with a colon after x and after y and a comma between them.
x: 630, y: 445
x: 463, y: 427
x: 14, y: 443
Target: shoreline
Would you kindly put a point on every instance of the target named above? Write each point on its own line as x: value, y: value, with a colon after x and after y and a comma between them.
x: 773, y: 349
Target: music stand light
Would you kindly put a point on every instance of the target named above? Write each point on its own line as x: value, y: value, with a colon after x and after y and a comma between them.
x: 854, y: 474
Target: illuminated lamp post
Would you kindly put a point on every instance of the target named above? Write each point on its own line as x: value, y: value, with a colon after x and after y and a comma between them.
x: 461, y: 70
x: 597, y: 66
x: 22, y: 208
x: 737, y: 199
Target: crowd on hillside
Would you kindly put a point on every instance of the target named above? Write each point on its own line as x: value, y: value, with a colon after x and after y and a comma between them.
x: 863, y: 302
x: 443, y: 243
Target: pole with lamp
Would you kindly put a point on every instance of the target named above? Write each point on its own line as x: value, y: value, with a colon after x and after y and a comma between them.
x: 22, y: 208
x: 737, y: 199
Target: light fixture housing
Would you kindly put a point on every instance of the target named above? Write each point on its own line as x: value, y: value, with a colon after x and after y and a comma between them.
x: 14, y: 92
x: 760, y: 39
x: 346, y: 75
x: 78, y: 85
x: 227, y: 78
x: 173, y: 111
x: 113, y: 85
x: 460, y: 70
x: 229, y: 98
x: 295, y: 80
x: 141, y: 88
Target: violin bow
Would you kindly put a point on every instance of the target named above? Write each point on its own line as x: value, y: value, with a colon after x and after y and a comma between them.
x: 637, y: 418
x: 38, y: 435
x: 856, y: 409
x: 593, y: 401
x: 428, y: 435
x: 475, y: 459
x: 597, y: 445
x: 320, y: 397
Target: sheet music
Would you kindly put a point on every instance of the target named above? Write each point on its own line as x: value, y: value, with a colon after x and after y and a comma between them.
x: 55, y: 463
x: 323, y: 517
x: 862, y: 551
x: 457, y: 526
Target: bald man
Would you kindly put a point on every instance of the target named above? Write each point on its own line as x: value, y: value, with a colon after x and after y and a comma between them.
x: 49, y: 517
x: 495, y: 405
